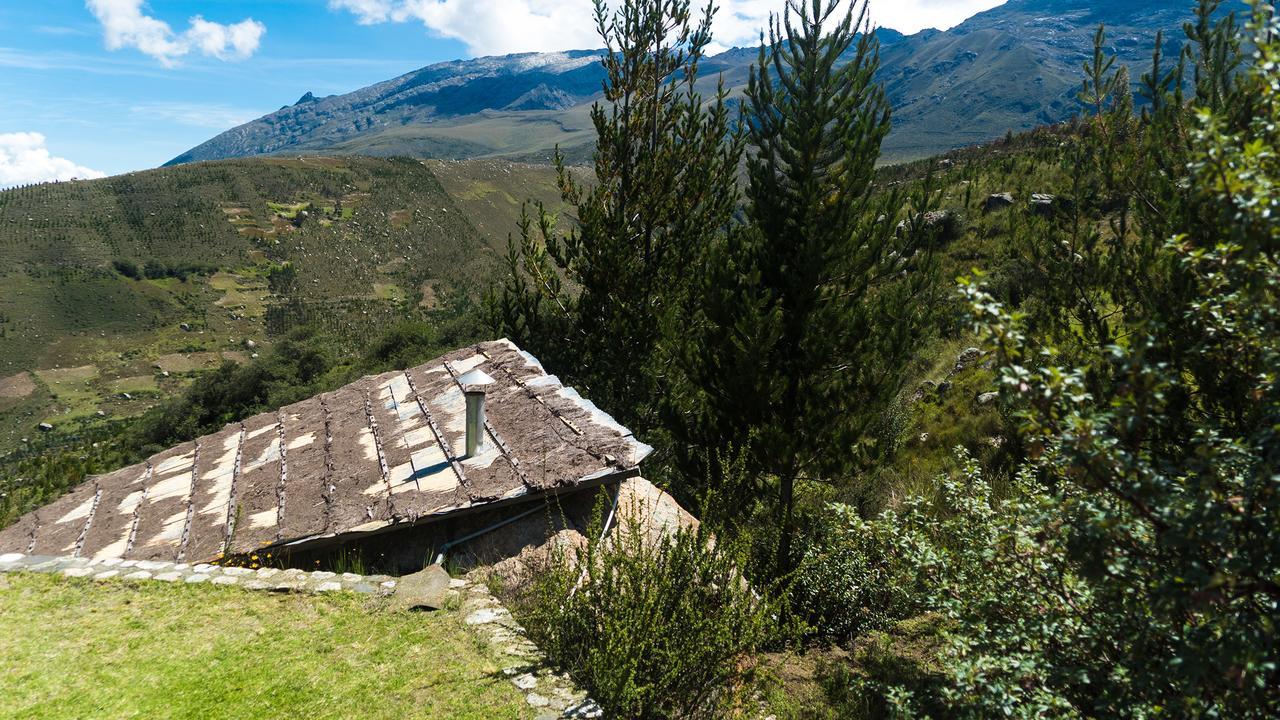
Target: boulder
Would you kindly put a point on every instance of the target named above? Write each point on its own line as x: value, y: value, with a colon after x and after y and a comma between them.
x: 45, y: 427
x: 987, y: 398
x: 1043, y: 204
x: 427, y: 589
x: 941, y: 223
x: 925, y: 387
x: 652, y: 510
x: 967, y: 357
x: 998, y: 201
x: 528, y: 545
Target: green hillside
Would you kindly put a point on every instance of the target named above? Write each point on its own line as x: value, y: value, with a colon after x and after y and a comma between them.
x: 117, y: 291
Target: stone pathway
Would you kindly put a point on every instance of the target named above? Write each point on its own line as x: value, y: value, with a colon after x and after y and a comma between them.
x: 552, y: 695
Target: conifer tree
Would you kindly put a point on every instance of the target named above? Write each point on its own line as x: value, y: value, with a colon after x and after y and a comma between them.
x: 593, y: 300
x: 810, y: 312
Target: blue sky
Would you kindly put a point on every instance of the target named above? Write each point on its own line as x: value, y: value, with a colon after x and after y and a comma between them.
x: 108, y: 86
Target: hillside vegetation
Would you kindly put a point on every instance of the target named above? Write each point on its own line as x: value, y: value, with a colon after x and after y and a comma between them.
x: 117, y: 291
x: 1085, y: 318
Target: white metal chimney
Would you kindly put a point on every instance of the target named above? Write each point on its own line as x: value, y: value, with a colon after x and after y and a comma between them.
x: 473, y: 387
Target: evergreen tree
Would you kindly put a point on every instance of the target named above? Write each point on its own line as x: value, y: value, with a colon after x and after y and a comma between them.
x: 593, y: 301
x: 809, y: 313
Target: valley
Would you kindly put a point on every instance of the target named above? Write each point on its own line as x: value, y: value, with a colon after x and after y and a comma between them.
x: 119, y: 291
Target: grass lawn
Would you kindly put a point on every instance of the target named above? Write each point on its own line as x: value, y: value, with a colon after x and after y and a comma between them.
x: 80, y: 648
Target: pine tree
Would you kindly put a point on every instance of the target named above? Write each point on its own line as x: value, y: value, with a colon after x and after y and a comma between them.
x: 593, y: 301
x: 809, y: 312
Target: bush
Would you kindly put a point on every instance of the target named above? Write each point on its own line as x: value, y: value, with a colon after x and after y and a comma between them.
x: 653, y: 627
x: 282, y: 279
x: 127, y: 268
x: 848, y: 584
x: 158, y: 270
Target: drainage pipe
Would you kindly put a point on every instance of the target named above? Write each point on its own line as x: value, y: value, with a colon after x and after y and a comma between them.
x: 466, y: 538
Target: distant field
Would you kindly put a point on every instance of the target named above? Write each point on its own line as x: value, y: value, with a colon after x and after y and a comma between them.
x: 141, y: 281
x: 79, y: 648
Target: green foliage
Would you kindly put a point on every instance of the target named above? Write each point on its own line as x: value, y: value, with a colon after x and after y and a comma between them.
x: 282, y: 279
x: 996, y: 571
x: 653, y: 625
x: 806, y: 316
x: 127, y: 268
x: 860, y: 575
x: 156, y: 270
x: 1131, y: 569
x: 592, y: 302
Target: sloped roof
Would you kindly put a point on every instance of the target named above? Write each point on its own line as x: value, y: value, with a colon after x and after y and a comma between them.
x: 384, y: 450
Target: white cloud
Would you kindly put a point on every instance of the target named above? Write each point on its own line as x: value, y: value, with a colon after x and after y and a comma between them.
x: 24, y: 159
x: 125, y: 24
x: 489, y: 27
x: 494, y: 27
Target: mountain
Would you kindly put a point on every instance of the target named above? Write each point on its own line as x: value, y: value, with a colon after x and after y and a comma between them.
x: 1011, y: 68
x: 466, y: 108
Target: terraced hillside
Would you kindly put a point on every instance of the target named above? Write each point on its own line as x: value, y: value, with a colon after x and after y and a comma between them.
x: 116, y: 292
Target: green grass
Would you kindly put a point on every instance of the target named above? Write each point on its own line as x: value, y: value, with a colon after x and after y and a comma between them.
x: 71, y: 390
x: 388, y: 291
x: 135, y: 385
x: 287, y: 210
x: 78, y: 648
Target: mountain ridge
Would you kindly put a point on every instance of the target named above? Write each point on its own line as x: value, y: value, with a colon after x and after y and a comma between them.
x: 1010, y: 68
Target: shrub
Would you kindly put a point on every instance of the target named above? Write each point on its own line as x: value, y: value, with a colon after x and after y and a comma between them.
x: 158, y: 270
x: 653, y: 627
x: 282, y: 279
x: 848, y: 584
x: 127, y: 268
